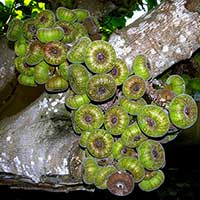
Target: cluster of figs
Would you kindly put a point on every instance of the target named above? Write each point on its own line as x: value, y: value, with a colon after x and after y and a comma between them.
x: 42, y: 45
x: 122, y: 115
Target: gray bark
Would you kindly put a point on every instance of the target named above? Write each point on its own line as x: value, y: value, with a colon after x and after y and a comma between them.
x: 7, y: 71
x: 38, y: 149
x: 7, y: 68
x: 166, y: 36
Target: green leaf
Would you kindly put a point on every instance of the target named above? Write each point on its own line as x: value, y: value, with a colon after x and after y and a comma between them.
x: 118, y: 22
x: 186, y: 78
x: 137, y: 7
x: 197, y: 59
x: 27, y: 2
x: 195, y: 84
x: 151, y: 4
x: 9, y: 3
x: 4, y: 15
x: 129, y: 14
x: 1, y: 6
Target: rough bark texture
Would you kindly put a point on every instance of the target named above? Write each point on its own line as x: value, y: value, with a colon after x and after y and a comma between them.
x: 7, y: 67
x: 38, y: 149
x: 166, y: 35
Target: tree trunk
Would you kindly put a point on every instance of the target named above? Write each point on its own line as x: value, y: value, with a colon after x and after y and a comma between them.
x: 38, y: 149
x: 7, y: 68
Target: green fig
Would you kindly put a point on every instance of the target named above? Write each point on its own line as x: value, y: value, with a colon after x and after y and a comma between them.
x: 14, y: 31
x: 50, y: 34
